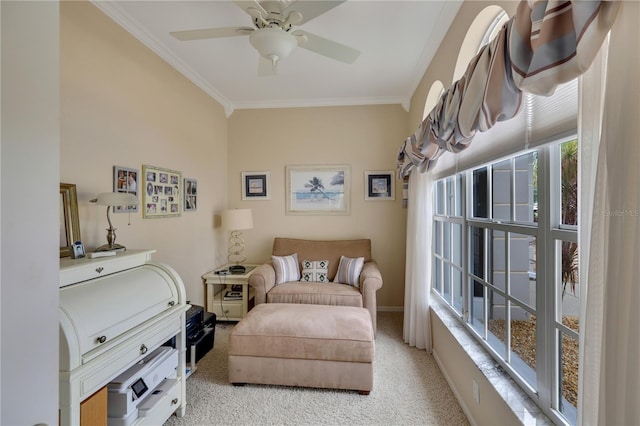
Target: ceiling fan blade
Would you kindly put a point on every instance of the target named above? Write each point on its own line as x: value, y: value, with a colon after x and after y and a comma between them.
x: 266, y: 67
x: 251, y: 4
x: 211, y: 33
x: 327, y: 47
x: 311, y: 8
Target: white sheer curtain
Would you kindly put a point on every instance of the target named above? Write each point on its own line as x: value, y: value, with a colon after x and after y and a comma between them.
x: 610, y: 231
x: 417, y: 324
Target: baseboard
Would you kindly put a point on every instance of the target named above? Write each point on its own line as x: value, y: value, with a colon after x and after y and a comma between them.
x: 390, y: 309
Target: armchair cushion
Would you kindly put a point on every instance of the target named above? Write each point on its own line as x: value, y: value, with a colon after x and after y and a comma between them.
x: 349, y: 271
x: 286, y: 268
x: 314, y: 270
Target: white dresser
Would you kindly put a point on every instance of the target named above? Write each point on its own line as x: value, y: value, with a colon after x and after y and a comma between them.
x: 114, y: 311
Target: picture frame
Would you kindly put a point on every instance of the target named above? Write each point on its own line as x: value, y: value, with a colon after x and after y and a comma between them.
x: 318, y: 190
x: 190, y: 195
x: 69, y: 219
x: 255, y: 186
x: 162, y: 193
x: 125, y: 180
x: 379, y: 185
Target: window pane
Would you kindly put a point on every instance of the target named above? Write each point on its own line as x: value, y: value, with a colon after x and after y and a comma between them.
x: 569, y: 182
x: 458, y: 211
x: 569, y: 285
x: 439, y: 196
x: 456, y: 238
x: 525, y: 176
x: 568, y: 375
x: 456, y: 284
x: 480, y: 200
x: 447, y: 240
x: 446, y: 282
x: 477, y: 251
x: 498, y: 260
x: 523, y: 343
x: 497, y: 324
x: 437, y: 274
x: 438, y: 236
x: 451, y: 196
x: 476, y: 316
x: 501, y: 190
x: 523, y: 281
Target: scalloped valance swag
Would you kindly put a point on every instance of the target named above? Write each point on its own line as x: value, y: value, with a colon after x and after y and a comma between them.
x: 545, y: 44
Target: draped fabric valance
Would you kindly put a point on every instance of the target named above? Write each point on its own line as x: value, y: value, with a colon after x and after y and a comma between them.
x: 545, y: 44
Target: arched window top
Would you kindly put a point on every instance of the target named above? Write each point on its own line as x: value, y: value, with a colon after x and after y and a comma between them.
x: 436, y: 90
x: 483, y: 28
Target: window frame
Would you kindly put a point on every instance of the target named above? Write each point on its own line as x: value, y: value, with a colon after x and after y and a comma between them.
x: 548, y: 232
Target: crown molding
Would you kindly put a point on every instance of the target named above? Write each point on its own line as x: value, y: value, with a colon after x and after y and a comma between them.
x: 115, y: 12
x: 306, y: 103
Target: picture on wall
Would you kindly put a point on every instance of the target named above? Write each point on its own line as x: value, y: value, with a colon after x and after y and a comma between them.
x: 255, y: 186
x: 190, y: 195
x: 318, y: 190
x: 379, y: 185
x: 162, y: 192
x: 125, y: 180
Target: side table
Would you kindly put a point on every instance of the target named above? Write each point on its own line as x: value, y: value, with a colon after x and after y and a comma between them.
x: 218, y: 285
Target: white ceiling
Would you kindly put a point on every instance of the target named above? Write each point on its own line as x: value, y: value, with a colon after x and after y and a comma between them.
x: 397, y: 40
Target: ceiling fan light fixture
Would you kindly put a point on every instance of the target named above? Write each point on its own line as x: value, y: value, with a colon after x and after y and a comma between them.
x: 273, y: 43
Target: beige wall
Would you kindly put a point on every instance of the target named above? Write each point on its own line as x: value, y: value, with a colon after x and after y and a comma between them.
x: 122, y: 105
x: 365, y: 137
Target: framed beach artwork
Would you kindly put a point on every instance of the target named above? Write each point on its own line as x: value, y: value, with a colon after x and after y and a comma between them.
x: 255, y: 186
x: 318, y: 190
x: 379, y: 185
x: 162, y: 193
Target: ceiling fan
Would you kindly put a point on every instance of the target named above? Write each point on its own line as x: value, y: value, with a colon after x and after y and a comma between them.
x: 274, y: 36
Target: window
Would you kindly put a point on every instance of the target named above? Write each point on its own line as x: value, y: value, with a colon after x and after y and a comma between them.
x: 505, y: 260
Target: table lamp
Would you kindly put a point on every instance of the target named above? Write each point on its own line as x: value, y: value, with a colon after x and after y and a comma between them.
x: 235, y: 220
x: 109, y: 199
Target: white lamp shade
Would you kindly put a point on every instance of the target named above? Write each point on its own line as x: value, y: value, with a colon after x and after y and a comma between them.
x: 237, y: 219
x: 116, y: 199
x: 273, y: 42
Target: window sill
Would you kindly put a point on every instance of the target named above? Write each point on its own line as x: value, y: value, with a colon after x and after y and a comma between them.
x: 514, y: 397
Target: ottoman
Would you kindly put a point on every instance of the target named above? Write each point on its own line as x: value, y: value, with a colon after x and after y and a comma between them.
x: 315, y: 346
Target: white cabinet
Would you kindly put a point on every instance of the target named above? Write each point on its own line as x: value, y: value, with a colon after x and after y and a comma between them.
x: 109, y: 321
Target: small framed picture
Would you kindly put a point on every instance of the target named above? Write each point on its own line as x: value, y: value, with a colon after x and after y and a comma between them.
x: 255, y: 186
x: 379, y: 185
x: 125, y: 180
x: 190, y: 195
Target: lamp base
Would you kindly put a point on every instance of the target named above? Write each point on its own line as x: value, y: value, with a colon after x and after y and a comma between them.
x: 111, y: 247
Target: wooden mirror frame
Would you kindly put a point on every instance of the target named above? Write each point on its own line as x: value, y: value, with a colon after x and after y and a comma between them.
x: 69, y: 222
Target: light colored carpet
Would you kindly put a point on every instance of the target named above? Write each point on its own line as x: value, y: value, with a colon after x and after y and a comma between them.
x: 408, y: 389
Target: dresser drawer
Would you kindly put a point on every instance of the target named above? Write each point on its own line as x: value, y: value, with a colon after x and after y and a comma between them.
x: 77, y: 270
x: 158, y: 406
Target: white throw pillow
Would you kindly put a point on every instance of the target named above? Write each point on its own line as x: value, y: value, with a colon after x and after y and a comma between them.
x: 315, y: 270
x: 286, y: 268
x: 349, y: 271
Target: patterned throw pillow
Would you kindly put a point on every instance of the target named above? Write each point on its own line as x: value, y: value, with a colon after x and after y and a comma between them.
x: 315, y: 270
x: 286, y: 268
x: 349, y: 271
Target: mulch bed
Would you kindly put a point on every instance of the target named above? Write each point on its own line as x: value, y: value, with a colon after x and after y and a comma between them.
x: 523, y: 343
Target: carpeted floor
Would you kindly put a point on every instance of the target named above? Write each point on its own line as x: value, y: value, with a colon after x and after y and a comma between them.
x: 408, y: 389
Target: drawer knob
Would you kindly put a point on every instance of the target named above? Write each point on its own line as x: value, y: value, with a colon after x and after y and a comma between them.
x: 172, y: 303
x: 101, y: 339
x: 143, y: 349
x: 99, y: 269
x: 174, y: 401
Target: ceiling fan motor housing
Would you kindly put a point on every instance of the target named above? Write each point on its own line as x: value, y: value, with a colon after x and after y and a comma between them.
x: 273, y: 43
